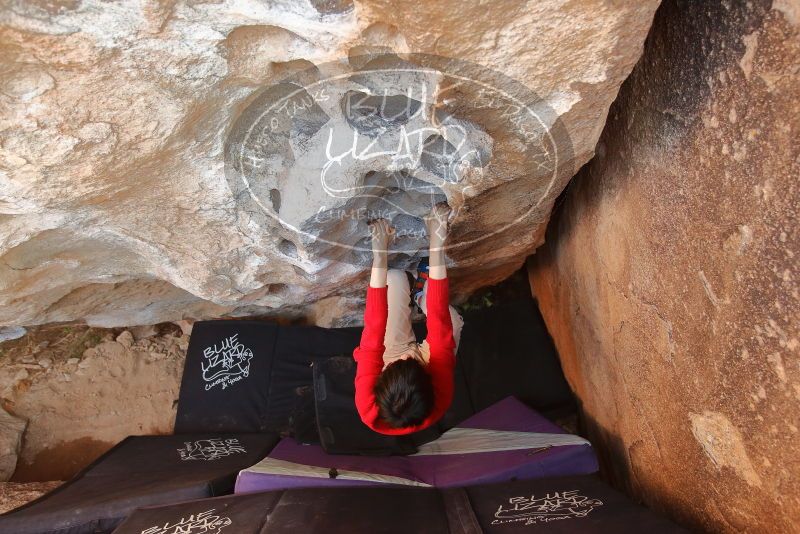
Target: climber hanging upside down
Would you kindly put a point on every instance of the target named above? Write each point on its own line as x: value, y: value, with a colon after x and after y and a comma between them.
x: 403, y: 386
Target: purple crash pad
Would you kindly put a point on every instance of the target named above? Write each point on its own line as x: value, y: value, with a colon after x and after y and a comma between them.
x: 448, y: 470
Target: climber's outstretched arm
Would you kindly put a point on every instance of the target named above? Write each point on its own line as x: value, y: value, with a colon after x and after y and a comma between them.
x: 369, y: 353
x: 440, y: 328
x: 436, y: 223
x: 382, y: 233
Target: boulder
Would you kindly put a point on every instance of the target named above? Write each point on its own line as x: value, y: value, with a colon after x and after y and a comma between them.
x: 11, y: 430
x: 143, y: 178
x: 669, y: 280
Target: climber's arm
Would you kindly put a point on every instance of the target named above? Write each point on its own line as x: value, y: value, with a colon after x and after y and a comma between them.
x: 440, y: 328
x: 382, y: 233
x: 436, y: 224
x: 369, y: 353
x: 377, y: 309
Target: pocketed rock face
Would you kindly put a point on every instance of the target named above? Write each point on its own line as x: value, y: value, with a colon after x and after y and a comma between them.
x: 115, y: 207
x: 669, y: 279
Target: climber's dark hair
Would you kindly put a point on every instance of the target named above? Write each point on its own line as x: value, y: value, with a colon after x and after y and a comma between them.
x: 404, y: 393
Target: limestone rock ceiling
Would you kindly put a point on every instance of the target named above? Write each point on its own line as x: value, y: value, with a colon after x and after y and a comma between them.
x: 170, y: 160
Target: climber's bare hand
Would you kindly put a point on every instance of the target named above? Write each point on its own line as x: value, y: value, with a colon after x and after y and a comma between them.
x: 382, y: 234
x: 437, y: 224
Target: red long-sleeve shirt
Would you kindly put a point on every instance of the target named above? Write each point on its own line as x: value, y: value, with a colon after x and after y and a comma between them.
x: 369, y: 355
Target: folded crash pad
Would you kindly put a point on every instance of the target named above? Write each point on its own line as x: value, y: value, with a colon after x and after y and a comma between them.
x: 504, y: 442
x: 578, y: 504
x: 140, y: 471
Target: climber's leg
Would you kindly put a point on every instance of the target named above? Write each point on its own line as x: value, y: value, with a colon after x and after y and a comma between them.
x: 399, y: 338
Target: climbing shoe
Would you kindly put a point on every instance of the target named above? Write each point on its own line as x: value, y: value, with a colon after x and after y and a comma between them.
x: 419, y: 281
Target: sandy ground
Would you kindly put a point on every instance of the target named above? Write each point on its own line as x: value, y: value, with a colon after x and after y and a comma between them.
x: 15, y: 494
x: 84, y: 389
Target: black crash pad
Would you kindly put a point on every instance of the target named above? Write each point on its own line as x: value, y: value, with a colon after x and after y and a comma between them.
x: 242, y: 376
x: 505, y: 350
x: 581, y: 504
x: 140, y: 471
x: 254, y: 376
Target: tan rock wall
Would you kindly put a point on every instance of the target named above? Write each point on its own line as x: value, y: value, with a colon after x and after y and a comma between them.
x: 669, y: 279
x: 114, y: 203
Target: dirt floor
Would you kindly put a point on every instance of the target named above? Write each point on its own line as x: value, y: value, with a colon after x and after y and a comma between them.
x: 15, y: 494
x: 83, y: 389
